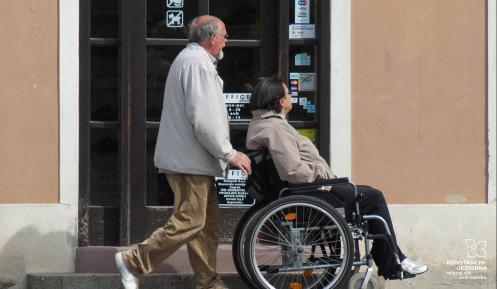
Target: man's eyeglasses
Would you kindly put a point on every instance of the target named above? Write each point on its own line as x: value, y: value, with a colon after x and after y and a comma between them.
x: 225, y: 35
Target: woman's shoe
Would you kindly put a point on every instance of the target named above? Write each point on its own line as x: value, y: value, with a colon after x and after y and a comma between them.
x: 413, y: 267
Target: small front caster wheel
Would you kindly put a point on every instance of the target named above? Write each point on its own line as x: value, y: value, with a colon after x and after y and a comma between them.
x: 356, y: 280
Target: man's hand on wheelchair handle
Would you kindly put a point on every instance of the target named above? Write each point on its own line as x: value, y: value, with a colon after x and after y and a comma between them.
x: 242, y: 162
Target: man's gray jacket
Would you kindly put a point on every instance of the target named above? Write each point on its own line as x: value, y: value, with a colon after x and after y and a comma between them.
x: 194, y: 132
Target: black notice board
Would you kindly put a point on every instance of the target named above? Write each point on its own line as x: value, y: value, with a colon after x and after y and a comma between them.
x: 231, y: 190
x: 237, y: 105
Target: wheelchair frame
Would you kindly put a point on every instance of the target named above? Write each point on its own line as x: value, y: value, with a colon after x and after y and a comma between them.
x: 357, y: 228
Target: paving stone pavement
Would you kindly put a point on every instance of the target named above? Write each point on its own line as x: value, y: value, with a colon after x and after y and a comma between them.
x: 185, y: 281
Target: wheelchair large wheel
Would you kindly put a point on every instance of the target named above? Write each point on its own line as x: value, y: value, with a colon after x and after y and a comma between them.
x: 298, y: 242
x: 239, y: 245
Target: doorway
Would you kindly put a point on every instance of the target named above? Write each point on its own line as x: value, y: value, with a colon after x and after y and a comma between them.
x: 126, y: 48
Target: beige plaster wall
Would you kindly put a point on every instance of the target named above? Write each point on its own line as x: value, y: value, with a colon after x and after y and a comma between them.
x: 419, y: 99
x: 29, y: 101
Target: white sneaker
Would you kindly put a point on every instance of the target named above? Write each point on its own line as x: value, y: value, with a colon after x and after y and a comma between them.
x: 413, y: 267
x: 129, y: 281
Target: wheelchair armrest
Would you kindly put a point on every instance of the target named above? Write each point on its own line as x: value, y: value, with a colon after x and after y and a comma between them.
x: 256, y: 156
x: 255, y: 153
x: 320, y: 183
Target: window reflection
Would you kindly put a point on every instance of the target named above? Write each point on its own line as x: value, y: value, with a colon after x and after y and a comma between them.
x: 240, y: 68
x: 104, y: 18
x: 104, y: 167
x: 242, y: 17
x: 104, y: 83
x: 310, y: 133
x: 158, y: 191
x: 159, y: 60
x: 237, y: 138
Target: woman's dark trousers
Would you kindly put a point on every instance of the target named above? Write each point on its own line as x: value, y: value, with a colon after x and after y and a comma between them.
x: 372, y: 202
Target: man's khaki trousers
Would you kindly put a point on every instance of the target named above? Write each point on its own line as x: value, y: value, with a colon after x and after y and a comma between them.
x: 195, y: 221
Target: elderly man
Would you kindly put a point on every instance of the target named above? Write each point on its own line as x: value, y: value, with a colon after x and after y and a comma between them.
x: 193, y: 147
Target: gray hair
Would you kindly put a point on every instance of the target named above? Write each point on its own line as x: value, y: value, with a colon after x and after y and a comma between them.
x: 199, y: 32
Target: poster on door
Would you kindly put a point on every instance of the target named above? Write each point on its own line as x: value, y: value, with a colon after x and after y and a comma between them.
x: 237, y: 105
x: 231, y: 190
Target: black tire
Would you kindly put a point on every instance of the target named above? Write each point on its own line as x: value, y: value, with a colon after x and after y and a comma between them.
x: 280, y: 243
x: 238, y: 245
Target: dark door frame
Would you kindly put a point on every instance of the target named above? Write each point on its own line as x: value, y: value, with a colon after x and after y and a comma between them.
x: 136, y: 220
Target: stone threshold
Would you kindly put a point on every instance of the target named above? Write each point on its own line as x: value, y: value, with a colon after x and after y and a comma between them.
x: 100, y: 259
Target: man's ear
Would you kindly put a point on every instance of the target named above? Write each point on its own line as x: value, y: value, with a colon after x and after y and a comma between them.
x: 212, y: 39
x: 280, y: 102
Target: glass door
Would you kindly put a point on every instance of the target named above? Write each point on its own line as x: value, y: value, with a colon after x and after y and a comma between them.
x: 127, y: 47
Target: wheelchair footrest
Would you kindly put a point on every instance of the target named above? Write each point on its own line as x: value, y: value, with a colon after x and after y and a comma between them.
x: 406, y: 275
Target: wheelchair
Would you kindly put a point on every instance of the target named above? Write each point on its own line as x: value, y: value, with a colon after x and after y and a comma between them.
x: 300, y: 236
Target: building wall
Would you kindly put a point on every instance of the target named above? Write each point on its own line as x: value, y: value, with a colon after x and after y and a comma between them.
x: 440, y: 235
x: 29, y: 117
x: 42, y: 237
x: 419, y: 99
x: 38, y: 100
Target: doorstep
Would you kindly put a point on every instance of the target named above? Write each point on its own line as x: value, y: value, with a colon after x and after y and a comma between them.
x: 100, y: 259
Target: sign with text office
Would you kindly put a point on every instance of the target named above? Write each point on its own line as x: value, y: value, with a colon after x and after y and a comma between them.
x: 231, y: 190
x: 237, y: 105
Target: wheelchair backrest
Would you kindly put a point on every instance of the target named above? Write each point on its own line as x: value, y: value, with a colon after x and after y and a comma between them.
x: 264, y: 183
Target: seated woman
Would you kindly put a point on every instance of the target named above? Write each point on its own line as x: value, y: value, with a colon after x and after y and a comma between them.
x: 298, y: 161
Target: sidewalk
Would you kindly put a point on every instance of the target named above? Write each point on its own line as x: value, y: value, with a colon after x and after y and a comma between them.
x: 431, y: 280
x: 185, y: 281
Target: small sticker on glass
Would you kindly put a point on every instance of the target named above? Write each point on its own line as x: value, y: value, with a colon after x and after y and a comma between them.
x: 311, y: 108
x: 307, y: 81
x: 174, y: 18
x: 174, y: 3
x: 302, y: 59
x: 302, y: 11
x: 303, y: 102
x: 302, y: 31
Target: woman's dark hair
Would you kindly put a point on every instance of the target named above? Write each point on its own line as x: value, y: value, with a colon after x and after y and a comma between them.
x: 267, y: 94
